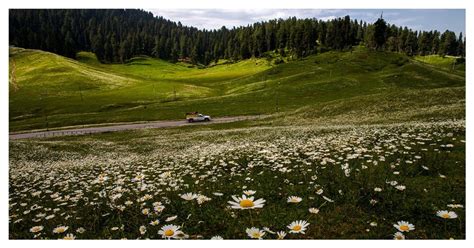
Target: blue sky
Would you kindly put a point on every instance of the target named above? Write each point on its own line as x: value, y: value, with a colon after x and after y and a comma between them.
x: 417, y: 19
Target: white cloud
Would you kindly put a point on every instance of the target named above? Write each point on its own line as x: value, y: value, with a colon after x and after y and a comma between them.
x: 216, y: 18
x: 325, y: 18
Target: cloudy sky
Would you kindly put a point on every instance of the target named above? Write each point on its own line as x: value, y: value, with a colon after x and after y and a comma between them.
x: 417, y: 19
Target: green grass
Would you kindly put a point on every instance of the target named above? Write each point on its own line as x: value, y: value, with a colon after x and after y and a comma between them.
x: 428, y: 158
x: 69, y: 92
x: 343, y: 122
x: 445, y: 63
x: 79, y: 92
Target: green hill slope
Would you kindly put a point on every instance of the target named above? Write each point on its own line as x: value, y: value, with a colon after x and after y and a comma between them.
x: 50, y: 90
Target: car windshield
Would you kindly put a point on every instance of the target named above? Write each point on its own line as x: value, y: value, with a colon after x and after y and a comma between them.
x: 200, y: 115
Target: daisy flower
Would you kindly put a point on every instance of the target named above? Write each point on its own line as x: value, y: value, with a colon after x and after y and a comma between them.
x: 404, y: 226
x: 446, y: 214
x: 202, y: 198
x: 154, y: 222
x: 101, y: 178
x: 246, y: 203
x: 266, y: 229
x: 171, y: 218
x: 69, y: 236
x: 294, y: 199
x: 455, y: 205
x: 36, y: 229
x: 217, y: 238
x: 138, y: 177
x: 170, y: 231
x: 142, y: 230
x: 159, y: 208
x: 398, y: 236
x: 255, y: 233
x: 60, y: 229
x: 181, y: 236
x: 400, y: 187
x: 313, y: 210
x: 281, y: 235
x: 298, y: 226
x: 328, y: 199
x: 250, y: 192
x: 80, y: 230
x: 189, y: 196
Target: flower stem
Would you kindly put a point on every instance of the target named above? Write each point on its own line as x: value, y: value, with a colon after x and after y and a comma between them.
x: 251, y: 217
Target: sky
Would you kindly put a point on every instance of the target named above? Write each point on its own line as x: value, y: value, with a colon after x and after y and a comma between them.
x: 416, y: 19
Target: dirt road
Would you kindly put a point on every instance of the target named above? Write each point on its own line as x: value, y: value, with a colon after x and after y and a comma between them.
x: 123, y: 127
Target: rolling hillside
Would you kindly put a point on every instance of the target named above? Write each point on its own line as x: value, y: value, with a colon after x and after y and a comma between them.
x: 47, y: 90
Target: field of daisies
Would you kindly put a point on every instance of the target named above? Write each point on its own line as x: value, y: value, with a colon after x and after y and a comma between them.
x: 386, y: 181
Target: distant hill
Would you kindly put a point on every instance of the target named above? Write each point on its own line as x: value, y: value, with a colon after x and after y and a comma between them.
x: 53, y: 91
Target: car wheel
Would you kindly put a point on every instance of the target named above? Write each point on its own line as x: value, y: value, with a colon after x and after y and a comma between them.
x: 207, y: 119
x: 190, y: 120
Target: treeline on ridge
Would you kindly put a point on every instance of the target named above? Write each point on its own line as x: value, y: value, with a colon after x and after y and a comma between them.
x: 116, y: 35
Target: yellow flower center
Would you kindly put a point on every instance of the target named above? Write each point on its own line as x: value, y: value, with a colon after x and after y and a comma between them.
x: 404, y: 228
x: 169, y: 232
x: 246, y: 203
x: 446, y: 216
x: 256, y: 235
x: 399, y: 237
x: 297, y: 228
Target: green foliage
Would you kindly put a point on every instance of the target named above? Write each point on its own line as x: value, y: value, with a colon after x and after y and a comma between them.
x: 116, y: 35
x: 380, y: 32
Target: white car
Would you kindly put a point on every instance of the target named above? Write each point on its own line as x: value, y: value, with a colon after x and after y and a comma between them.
x: 192, y: 117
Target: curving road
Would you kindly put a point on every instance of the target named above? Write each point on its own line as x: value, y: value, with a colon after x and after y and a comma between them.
x: 123, y: 127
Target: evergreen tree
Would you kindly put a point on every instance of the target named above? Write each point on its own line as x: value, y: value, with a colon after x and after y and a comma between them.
x: 435, y: 43
x: 370, y: 37
x: 116, y: 35
x: 402, y: 41
x: 124, y: 52
x: 392, y: 44
x: 448, y: 44
x: 380, y: 33
x: 424, y: 43
x: 461, y: 46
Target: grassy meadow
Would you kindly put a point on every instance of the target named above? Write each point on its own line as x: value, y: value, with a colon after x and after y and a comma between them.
x: 53, y: 91
x: 357, y: 145
x: 357, y: 181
